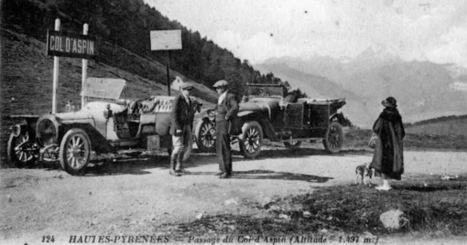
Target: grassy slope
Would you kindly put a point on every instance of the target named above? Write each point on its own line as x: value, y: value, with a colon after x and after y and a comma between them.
x: 431, y: 207
x: 441, y: 126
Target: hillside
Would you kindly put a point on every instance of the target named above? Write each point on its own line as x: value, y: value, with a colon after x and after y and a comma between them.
x: 127, y: 24
x: 451, y: 125
x: 26, y: 77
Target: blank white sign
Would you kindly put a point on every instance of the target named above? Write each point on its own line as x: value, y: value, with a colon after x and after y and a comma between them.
x: 106, y: 88
x: 166, y: 40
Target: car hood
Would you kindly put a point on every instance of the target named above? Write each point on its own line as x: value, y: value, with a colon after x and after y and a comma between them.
x: 257, y: 104
x: 92, y: 110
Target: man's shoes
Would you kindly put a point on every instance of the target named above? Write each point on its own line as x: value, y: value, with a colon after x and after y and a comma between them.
x: 219, y: 174
x: 383, y: 188
x: 174, y: 173
x: 182, y: 171
x: 224, y: 176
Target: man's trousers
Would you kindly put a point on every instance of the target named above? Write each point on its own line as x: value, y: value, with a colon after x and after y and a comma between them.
x: 224, y: 153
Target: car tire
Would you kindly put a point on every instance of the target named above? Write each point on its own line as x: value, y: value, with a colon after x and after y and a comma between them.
x: 334, y: 138
x: 205, y: 133
x: 75, y: 151
x: 15, y: 154
x: 251, y: 139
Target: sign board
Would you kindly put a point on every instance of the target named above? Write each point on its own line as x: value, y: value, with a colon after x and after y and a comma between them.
x: 70, y: 45
x: 106, y: 88
x: 166, y: 40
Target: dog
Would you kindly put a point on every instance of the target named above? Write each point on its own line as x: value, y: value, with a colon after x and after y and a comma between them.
x: 363, y: 174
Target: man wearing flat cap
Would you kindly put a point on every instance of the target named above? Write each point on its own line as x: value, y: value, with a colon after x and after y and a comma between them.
x: 226, y: 112
x: 183, y: 113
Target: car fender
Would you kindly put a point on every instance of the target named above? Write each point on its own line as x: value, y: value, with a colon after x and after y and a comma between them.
x: 268, y: 130
x: 256, y: 106
x: 244, y: 113
x: 339, y: 117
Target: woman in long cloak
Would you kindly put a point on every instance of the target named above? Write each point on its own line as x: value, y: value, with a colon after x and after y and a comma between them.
x: 388, y: 159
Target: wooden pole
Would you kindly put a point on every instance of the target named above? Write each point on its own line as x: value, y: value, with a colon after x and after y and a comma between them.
x: 55, y: 74
x: 168, y: 74
x: 84, y: 69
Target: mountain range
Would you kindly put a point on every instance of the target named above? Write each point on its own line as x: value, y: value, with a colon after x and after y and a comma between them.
x: 423, y: 89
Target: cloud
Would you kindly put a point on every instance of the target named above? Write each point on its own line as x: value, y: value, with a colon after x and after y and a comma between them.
x: 432, y: 30
x: 453, y: 48
x: 262, y: 45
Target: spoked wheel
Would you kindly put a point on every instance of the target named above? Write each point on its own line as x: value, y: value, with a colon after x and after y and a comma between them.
x: 293, y: 144
x: 334, y: 138
x: 75, y: 151
x: 251, y: 139
x: 205, y: 134
x: 20, y: 150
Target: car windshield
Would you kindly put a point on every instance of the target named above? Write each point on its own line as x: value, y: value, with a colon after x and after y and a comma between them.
x: 265, y: 91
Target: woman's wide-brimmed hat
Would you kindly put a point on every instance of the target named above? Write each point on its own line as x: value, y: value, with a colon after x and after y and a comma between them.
x: 389, y: 102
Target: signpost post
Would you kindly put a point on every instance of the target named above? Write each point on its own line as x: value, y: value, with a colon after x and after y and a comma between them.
x: 166, y: 40
x: 55, y: 75
x: 67, y: 44
x: 84, y: 71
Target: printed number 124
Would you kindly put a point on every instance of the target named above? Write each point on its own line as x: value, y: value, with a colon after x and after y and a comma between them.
x: 48, y: 239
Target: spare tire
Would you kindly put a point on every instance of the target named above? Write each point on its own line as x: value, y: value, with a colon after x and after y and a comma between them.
x: 47, y: 128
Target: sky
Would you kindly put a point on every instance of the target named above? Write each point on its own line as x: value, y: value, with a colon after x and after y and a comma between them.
x: 256, y: 30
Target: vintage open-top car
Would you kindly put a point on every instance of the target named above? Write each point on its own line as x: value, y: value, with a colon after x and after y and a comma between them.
x: 111, y: 127
x: 267, y: 113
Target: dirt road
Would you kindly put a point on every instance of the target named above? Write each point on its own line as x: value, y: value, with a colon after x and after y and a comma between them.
x: 137, y: 196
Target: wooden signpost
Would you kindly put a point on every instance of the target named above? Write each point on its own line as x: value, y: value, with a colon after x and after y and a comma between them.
x: 166, y: 40
x: 67, y: 44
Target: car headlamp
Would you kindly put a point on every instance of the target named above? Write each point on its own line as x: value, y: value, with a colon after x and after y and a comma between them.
x: 16, y: 130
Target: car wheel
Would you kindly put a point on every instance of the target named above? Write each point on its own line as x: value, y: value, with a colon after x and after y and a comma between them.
x: 251, y: 139
x: 19, y: 150
x: 75, y: 151
x: 205, y: 134
x: 293, y: 144
x: 334, y: 138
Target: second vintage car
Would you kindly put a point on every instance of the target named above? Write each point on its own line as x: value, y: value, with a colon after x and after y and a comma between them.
x: 267, y: 113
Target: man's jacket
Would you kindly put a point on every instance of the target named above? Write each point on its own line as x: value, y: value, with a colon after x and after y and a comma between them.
x: 229, y: 113
x: 182, y: 114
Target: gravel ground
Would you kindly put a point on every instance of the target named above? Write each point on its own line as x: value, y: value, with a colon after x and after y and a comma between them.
x: 133, y: 197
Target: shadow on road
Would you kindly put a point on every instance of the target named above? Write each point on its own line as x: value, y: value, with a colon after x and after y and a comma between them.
x: 272, y: 175
x: 133, y: 166
x: 142, y: 165
x: 268, y: 174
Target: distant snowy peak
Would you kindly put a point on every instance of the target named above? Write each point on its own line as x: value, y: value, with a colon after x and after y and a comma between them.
x: 379, y: 53
x: 375, y: 54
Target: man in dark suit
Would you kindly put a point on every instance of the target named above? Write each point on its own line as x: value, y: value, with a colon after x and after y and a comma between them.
x: 183, y: 112
x: 226, y: 112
